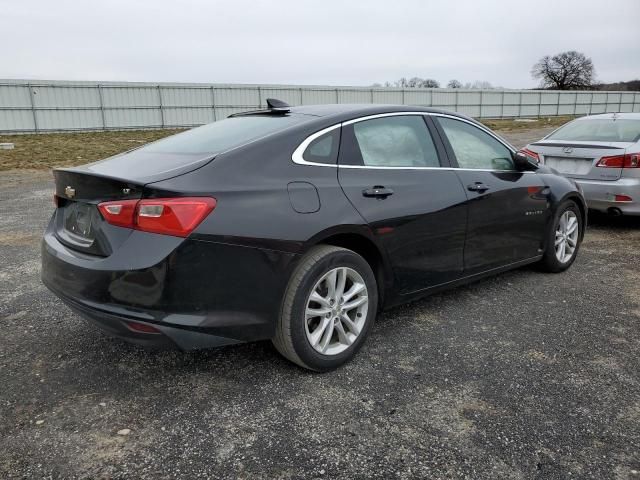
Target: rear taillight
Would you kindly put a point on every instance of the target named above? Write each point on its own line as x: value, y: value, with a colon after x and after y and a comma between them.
x: 530, y: 153
x: 630, y: 160
x: 121, y: 214
x: 167, y: 216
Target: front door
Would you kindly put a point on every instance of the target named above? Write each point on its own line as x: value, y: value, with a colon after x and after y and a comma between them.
x: 391, y: 170
x: 508, y: 209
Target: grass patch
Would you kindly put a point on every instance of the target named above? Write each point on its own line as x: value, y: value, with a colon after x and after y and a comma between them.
x: 49, y: 150
x: 512, y: 125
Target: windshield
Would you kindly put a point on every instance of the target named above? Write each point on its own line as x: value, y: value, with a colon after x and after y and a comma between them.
x: 224, y: 134
x: 604, y: 130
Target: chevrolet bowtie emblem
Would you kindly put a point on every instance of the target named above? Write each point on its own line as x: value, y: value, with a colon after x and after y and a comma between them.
x: 70, y: 192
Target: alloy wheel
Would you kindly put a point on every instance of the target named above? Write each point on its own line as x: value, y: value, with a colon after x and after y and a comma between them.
x: 566, y: 239
x: 336, y: 311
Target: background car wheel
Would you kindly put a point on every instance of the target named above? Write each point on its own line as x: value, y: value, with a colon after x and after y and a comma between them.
x: 563, y: 238
x: 328, y: 309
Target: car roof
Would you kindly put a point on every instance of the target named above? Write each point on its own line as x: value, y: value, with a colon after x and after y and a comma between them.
x: 354, y: 110
x: 612, y: 116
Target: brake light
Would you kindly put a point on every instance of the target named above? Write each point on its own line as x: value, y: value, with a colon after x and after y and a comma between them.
x: 530, y: 153
x: 173, y: 216
x: 630, y: 160
x: 120, y: 213
x: 168, y: 216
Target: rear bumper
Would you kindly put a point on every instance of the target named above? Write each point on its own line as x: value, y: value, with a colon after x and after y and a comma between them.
x: 600, y: 195
x: 196, y: 293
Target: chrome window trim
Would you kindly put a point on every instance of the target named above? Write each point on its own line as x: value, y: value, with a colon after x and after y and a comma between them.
x: 299, y: 151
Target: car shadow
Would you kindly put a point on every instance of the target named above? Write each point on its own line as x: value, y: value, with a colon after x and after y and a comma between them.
x: 603, y: 220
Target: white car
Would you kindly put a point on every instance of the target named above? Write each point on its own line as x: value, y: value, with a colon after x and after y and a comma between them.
x: 602, y: 154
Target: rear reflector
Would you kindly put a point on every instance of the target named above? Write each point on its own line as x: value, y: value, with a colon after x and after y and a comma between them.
x: 141, y: 327
x: 623, y: 198
x: 168, y: 216
x: 530, y: 153
x: 630, y: 160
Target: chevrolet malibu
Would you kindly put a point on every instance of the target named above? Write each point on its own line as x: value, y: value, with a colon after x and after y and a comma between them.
x: 602, y: 154
x: 298, y: 224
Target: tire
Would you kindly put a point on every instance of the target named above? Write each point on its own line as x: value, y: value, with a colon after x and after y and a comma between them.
x: 550, y: 261
x: 295, y: 331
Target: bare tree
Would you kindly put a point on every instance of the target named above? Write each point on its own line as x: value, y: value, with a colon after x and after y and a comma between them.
x: 430, y: 83
x: 454, y: 84
x: 479, y: 85
x: 565, y: 71
x: 414, y: 82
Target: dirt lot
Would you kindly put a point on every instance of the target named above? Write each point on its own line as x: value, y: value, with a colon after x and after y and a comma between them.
x: 522, y: 376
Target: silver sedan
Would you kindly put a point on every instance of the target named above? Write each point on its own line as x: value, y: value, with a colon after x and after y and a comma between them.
x: 602, y: 154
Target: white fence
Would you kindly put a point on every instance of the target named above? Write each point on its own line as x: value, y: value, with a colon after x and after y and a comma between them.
x: 45, y: 106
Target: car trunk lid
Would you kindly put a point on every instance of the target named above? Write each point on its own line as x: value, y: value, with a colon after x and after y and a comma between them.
x: 579, y: 159
x: 79, y: 224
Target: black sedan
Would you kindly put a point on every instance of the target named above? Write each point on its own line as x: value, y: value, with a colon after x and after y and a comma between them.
x: 298, y: 224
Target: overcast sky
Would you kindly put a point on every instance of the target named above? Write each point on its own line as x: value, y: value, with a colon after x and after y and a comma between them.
x: 334, y: 42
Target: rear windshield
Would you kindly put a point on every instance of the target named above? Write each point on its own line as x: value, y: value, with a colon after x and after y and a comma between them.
x: 224, y: 134
x: 605, y: 130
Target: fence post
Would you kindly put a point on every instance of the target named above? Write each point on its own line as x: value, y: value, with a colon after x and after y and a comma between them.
x: 620, y: 103
x: 259, y: 97
x: 481, y: 101
x: 337, y: 98
x: 104, y: 123
x: 33, y: 108
x: 558, y: 105
x: 502, y: 105
x: 371, y: 95
x: 213, y: 102
x: 300, y: 95
x: 519, y: 104
x: 161, y: 109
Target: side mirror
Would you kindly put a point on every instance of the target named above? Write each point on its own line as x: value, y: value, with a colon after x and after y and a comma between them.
x: 523, y: 162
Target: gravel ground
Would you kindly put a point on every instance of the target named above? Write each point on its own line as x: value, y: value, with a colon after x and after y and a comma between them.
x: 525, y: 375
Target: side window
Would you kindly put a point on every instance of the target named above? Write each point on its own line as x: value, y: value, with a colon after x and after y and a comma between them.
x: 323, y: 149
x: 474, y: 148
x: 396, y: 141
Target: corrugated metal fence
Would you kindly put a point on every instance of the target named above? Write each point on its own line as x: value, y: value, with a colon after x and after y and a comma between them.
x: 44, y: 106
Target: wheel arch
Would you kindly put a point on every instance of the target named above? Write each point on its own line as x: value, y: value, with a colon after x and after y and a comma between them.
x: 582, y: 206
x: 364, y: 245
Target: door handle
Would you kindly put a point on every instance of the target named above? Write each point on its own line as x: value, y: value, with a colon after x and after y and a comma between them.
x: 478, y: 187
x: 377, y: 192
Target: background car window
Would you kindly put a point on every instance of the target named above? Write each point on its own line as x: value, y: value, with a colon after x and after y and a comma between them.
x: 399, y: 141
x: 599, y: 130
x: 474, y: 148
x: 323, y: 149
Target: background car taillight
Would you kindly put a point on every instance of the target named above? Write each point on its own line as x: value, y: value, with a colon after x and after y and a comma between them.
x: 630, y: 160
x: 167, y: 216
x: 530, y: 153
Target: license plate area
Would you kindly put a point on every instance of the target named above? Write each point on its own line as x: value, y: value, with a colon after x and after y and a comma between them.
x: 79, y: 220
x: 573, y: 166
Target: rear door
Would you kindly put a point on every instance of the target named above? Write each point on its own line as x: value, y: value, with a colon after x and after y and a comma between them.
x: 390, y: 168
x: 508, y: 209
